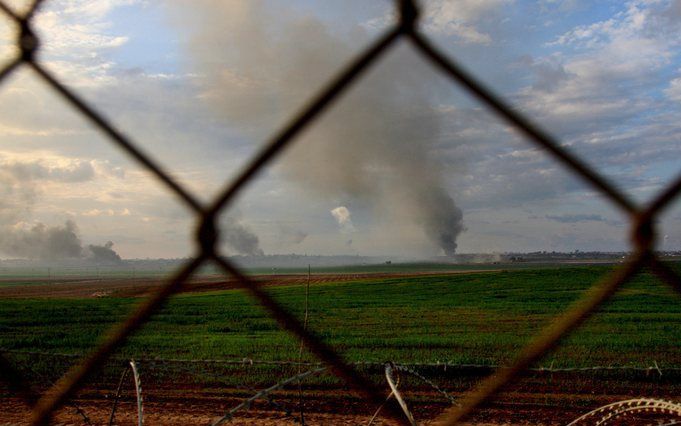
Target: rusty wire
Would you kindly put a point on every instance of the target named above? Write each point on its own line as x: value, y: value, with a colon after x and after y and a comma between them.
x: 207, y: 236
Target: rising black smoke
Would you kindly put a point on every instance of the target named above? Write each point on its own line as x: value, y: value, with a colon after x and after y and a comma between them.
x: 40, y: 241
x: 261, y: 61
x: 240, y: 238
x: 52, y: 243
x: 103, y: 254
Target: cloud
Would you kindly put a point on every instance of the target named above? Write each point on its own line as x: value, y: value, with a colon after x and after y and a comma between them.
x: 673, y: 92
x: 602, y: 87
x: 74, y: 36
x: 106, y: 212
x: 76, y: 171
x: 576, y: 218
x: 456, y: 19
x: 77, y: 27
x: 598, y: 90
x: 592, y: 83
x: 460, y: 18
x: 25, y: 181
x: 16, y: 197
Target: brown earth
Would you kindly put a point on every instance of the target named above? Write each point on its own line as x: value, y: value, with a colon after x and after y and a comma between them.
x: 197, y: 411
x: 540, y: 405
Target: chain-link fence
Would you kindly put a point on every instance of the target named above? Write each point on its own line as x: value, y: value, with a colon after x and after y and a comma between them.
x: 641, y: 219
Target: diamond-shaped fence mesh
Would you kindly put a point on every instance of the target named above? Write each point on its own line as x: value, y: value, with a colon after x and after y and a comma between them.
x: 406, y: 30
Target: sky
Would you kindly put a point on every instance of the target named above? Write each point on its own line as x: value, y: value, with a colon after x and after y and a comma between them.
x: 404, y: 164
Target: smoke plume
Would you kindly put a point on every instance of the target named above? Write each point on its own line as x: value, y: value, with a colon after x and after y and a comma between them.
x: 103, y: 254
x: 39, y: 241
x: 43, y: 242
x: 240, y: 238
x: 261, y: 62
x: 289, y: 235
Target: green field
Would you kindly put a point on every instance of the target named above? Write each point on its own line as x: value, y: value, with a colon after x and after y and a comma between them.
x: 481, y: 318
x: 43, y: 274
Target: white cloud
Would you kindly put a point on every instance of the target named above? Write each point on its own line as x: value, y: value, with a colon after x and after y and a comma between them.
x: 75, y: 36
x: 8, y: 130
x: 673, y: 92
x: 593, y: 89
x: 98, y: 212
x: 50, y: 167
x: 596, y: 77
x: 106, y: 212
x: 460, y: 18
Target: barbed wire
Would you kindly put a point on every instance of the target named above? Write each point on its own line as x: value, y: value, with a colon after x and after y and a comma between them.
x: 607, y: 413
x: 263, y: 393
x: 408, y: 370
x: 117, y: 395
x: 138, y: 392
x: 641, y: 219
x: 602, y: 415
x: 396, y: 393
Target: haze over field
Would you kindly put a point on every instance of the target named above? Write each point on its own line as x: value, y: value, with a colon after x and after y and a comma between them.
x: 403, y: 165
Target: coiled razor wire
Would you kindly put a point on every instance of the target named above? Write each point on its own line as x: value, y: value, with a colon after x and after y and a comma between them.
x: 263, y: 393
x: 599, y: 416
x: 393, y: 387
x: 406, y: 369
x: 392, y: 383
x: 641, y: 218
x: 603, y: 415
x: 138, y: 392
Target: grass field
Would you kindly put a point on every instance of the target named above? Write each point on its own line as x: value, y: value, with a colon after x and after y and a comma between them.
x: 466, y: 318
x: 481, y: 318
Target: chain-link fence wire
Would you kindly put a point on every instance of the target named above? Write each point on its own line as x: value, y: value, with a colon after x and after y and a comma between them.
x: 641, y: 219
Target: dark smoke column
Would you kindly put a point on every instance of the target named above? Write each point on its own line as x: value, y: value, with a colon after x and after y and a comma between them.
x: 443, y: 220
x: 378, y: 144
